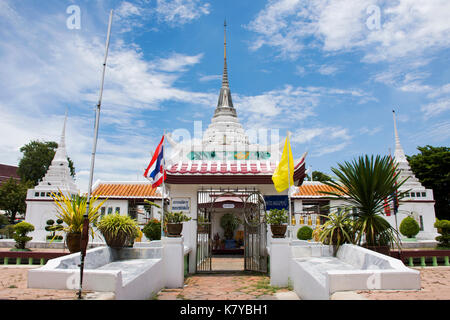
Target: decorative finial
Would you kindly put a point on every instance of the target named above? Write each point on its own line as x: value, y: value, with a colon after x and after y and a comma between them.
x: 399, y: 154
x: 225, y: 94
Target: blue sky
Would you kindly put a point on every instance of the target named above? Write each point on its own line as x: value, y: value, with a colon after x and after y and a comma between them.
x: 328, y: 71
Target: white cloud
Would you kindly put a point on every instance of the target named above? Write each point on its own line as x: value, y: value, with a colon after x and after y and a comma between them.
x: 436, y: 108
x: 210, y: 77
x: 176, y: 12
x: 408, y: 28
x: 323, y: 139
x: 46, y: 68
x: 178, y: 62
x: 370, y: 131
x: 327, y: 70
x: 127, y: 9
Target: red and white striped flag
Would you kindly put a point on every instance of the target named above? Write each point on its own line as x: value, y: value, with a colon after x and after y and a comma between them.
x: 155, y: 171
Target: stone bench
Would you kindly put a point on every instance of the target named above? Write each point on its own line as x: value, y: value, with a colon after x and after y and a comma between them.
x: 131, y: 273
x: 316, y: 274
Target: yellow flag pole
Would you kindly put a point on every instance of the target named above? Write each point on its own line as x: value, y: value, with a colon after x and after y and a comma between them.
x: 289, y: 182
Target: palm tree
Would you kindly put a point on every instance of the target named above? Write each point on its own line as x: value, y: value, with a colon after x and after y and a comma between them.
x: 366, y: 183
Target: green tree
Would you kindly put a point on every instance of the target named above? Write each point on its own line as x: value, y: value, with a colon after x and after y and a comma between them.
x: 12, y: 198
x: 37, y: 157
x: 319, y: 176
x: 20, y: 234
x: 365, y: 183
x: 432, y: 167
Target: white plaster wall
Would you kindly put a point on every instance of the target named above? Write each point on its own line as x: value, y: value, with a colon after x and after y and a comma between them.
x: 38, y: 212
x: 189, y: 232
x: 122, y: 204
x: 424, y: 209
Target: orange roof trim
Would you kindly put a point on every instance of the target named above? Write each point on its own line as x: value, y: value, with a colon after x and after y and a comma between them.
x: 109, y: 190
x: 314, y: 190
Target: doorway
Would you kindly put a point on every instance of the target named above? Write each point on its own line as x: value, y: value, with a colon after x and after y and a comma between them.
x: 231, y: 231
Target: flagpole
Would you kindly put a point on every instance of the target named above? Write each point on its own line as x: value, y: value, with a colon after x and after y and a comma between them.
x: 163, y: 185
x: 289, y: 182
x: 85, y: 231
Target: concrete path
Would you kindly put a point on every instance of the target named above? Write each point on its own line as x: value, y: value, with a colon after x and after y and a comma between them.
x: 232, y: 286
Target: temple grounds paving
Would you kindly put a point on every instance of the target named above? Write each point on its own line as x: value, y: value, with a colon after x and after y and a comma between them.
x: 233, y: 286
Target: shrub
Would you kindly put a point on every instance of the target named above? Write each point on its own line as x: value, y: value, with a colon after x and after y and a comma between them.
x: 304, y: 233
x: 175, y: 217
x: 443, y: 227
x: 7, y: 231
x: 277, y: 217
x: 117, y: 227
x: 229, y: 222
x: 53, y: 229
x: 20, y: 234
x: 152, y: 230
x: 409, y: 227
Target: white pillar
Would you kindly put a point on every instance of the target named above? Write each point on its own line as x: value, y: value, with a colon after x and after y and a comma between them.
x: 279, y: 262
x: 173, y: 250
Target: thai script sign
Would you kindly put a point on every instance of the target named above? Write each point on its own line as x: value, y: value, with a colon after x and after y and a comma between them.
x: 181, y: 204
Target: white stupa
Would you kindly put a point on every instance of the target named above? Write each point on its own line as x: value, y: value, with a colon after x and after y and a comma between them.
x: 225, y: 139
x: 419, y: 201
x: 40, y: 204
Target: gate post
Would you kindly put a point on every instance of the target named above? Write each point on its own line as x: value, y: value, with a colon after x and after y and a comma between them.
x: 279, y: 262
x: 173, y: 255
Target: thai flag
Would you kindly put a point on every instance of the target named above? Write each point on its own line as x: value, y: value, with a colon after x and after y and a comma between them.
x: 155, y: 171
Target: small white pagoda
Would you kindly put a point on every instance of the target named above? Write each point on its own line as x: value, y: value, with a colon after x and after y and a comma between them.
x: 40, y: 204
x: 419, y: 201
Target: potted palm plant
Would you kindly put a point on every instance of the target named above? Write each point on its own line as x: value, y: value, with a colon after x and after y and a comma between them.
x: 366, y: 183
x: 277, y: 218
x: 71, y: 210
x: 117, y: 230
x: 337, y: 230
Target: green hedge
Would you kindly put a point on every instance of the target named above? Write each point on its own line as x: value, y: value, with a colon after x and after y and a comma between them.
x: 304, y: 233
x: 409, y: 227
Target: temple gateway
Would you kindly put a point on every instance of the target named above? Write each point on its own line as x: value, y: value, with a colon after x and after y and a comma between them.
x: 223, y: 176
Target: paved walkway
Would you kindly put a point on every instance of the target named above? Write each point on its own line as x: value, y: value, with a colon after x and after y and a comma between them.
x: 232, y: 286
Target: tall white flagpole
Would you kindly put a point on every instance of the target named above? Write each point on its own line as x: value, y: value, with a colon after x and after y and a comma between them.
x: 163, y: 184
x: 289, y: 182
x: 85, y: 235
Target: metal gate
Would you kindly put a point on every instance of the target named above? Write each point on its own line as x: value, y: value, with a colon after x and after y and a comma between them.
x: 255, y: 230
x: 255, y: 233
x: 204, y: 242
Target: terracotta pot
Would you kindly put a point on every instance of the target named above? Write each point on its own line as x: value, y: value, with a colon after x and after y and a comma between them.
x: 174, y: 229
x: 278, y: 231
x: 73, y: 241
x: 118, y: 241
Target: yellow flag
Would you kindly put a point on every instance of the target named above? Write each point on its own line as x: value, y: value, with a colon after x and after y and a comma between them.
x: 284, y: 173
